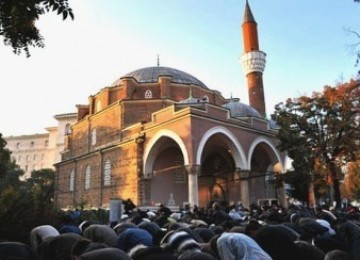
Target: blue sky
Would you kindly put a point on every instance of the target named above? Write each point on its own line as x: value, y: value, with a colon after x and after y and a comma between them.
x: 306, y: 43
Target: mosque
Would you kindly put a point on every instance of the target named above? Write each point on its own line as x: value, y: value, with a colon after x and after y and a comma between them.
x: 160, y: 135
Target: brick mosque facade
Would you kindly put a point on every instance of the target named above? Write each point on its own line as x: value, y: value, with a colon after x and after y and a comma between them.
x: 160, y: 135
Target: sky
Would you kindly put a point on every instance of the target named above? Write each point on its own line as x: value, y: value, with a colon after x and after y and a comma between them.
x: 307, y: 44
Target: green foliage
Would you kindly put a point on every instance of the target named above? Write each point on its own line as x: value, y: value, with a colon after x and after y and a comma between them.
x: 24, y: 204
x: 320, y: 132
x: 4, y: 158
x: 299, y: 182
x: 18, y: 17
x: 41, y: 186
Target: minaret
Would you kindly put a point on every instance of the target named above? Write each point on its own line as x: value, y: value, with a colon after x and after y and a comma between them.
x: 253, y: 62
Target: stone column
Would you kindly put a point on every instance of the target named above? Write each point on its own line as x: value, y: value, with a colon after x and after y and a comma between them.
x: 244, y: 187
x: 193, y: 172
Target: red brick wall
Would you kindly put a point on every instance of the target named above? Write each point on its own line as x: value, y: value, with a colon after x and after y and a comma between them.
x: 107, y: 125
x: 79, y: 138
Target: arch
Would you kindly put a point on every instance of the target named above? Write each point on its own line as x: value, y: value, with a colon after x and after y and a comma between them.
x: 239, y: 155
x: 152, y: 147
x: 269, y: 146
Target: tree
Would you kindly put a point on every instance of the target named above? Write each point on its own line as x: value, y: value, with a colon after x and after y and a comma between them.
x: 31, y: 199
x: 321, y: 132
x: 41, y: 186
x: 18, y: 18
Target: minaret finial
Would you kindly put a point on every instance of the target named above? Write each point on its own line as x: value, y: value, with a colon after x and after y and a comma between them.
x: 248, y: 16
x: 158, y: 60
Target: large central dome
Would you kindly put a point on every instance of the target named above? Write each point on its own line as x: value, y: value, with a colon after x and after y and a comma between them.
x: 152, y: 74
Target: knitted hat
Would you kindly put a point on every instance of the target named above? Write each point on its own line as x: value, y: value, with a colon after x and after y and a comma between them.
x: 57, y: 247
x: 151, y: 253
x: 123, y: 226
x: 105, y: 253
x: 16, y: 250
x: 178, y: 242
x: 151, y: 227
x: 40, y: 233
x: 101, y: 234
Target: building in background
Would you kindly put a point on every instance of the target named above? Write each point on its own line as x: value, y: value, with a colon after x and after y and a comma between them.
x: 159, y: 134
x: 40, y: 151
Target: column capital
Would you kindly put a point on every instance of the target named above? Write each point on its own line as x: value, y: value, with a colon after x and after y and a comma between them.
x: 193, y: 168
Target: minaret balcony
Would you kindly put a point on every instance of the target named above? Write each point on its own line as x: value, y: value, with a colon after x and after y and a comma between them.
x: 253, y: 61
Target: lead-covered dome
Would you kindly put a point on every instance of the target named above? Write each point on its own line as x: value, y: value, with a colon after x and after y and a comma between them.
x: 152, y: 74
x: 238, y: 109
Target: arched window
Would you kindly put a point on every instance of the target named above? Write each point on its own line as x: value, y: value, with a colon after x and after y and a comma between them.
x: 98, y: 105
x: 205, y: 99
x: 67, y: 129
x: 32, y: 143
x: 93, y: 137
x: 46, y: 143
x: 72, y: 180
x: 18, y: 146
x: 87, y: 177
x: 148, y: 93
x: 107, y: 173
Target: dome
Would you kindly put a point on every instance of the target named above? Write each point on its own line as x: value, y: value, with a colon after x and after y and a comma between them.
x: 273, y: 124
x: 238, y: 109
x: 152, y: 74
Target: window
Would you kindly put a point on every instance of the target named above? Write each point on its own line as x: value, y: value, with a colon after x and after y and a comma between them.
x: 148, y: 94
x: 26, y: 168
x: 67, y: 129
x: 46, y: 143
x: 93, y: 137
x: 107, y: 173
x: 34, y: 157
x: 98, y: 105
x: 27, y: 157
x: 32, y: 144
x: 205, y: 98
x: 18, y: 146
x: 87, y: 177
x: 72, y: 180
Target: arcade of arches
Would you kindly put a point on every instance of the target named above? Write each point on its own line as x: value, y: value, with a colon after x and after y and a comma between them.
x: 221, y: 174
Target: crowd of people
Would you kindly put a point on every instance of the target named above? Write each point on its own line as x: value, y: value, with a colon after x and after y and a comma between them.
x: 219, y: 231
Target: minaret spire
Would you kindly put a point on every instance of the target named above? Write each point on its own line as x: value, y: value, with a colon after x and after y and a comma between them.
x: 248, y: 16
x: 253, y: 61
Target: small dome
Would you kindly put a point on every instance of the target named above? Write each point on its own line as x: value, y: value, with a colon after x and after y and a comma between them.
x: 273, y: 124
x: 190, y: 100
x: 238, y: 109
x: 152, y: 74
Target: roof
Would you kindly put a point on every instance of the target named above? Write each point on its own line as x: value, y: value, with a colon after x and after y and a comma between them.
x: 152, y: 74
x: 248, y: 16
x: 238, y: 109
